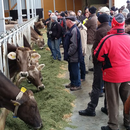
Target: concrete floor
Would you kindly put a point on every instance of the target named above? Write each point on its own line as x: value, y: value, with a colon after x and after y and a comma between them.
x: 82, y: 99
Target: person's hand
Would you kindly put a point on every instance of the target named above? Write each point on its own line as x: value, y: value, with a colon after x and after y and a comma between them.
x: 50, y: 32
x: 47, y: 22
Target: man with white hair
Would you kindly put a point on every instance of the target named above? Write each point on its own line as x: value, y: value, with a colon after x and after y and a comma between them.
x: 106, y: 11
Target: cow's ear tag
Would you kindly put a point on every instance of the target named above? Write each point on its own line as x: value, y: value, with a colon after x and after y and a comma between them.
x: 23, y: 89
x: 34, y: 50
x: 12, y: 55
x: 22, y: 46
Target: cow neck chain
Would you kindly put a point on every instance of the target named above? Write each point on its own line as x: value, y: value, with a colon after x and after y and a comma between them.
x: 19, y: 96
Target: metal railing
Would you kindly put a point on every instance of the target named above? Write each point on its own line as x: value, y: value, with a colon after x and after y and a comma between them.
x: 14, y: 36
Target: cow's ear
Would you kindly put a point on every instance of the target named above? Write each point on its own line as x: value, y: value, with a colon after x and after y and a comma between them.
x: 40, y: 67
x: 15, y: 103
x: 12, y: 56
x: 35, y: 56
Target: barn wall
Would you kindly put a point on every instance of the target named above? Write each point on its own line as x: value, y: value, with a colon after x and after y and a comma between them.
x: 61, y: 6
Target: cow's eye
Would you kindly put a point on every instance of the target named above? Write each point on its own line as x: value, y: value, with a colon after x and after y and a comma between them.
x: 18, y: 59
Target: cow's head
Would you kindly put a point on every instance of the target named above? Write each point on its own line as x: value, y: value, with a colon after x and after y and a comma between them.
x: 28, y: 110
x: 39, y: 24
x: 40, y: 42
x: 34, y: 76
x: 22, y: 57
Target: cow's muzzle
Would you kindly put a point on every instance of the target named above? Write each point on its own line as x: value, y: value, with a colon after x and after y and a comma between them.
x: 38, y: 128
x: 41, y: 87
x: 24, y: 74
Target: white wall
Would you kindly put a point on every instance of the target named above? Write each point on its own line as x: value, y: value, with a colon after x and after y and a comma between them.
x: 119, y: 3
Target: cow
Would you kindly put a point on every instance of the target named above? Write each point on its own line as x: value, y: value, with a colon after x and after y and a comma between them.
x: 37, y: 38
x: 34, y: 76
x: 39, y: 24
x: 21, y: 102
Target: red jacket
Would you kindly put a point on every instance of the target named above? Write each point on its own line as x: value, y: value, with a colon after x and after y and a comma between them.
x: 114, y: 51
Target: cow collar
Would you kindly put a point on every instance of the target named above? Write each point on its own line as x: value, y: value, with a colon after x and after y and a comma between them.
x: 19, y: 96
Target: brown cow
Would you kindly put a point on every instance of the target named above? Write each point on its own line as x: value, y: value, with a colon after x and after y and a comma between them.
x: 39, y: 25
x: 37, y: 38
x: 22, y: 103
x: 34, y: 76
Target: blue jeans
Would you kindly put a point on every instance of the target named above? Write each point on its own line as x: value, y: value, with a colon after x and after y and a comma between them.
x: 49, y: 44
x: 74, y: 72
x: 82, y: 68
x: 56, y: 49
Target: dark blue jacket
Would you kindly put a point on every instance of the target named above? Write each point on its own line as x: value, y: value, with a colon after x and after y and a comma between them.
x: 72, y: 45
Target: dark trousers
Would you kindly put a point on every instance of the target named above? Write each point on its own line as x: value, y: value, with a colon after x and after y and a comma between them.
x: 82, y: 68
x: 74, y: 72
x: 96, y: 87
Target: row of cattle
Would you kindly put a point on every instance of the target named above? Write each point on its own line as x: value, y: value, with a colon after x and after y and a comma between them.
x: 23, y: 64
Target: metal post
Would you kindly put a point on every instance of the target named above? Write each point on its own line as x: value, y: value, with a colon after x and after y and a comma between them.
x: 19, y: 8
x: 65, y: 4
x: 54, y: 5
x: 34, y: 3
x: 2, y: 18
x: 110, y: 4
x: 28, y: 9
x: 32, y: 8
x: 74, y: 5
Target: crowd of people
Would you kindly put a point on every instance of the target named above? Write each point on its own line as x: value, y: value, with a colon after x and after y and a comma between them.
x: 97, y: 40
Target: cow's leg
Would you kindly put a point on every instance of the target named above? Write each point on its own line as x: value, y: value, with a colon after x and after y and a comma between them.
x: 3, y: 118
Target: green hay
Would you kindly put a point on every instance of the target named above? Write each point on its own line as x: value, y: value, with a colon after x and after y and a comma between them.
x: 53, y: 102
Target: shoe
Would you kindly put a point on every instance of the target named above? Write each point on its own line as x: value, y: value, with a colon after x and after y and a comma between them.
x: 91, y: 69
x: 127, y: 127
x: 75, y: 88
x: 87, y: 112
x: 68, y: 86
x: 104, y: 110
x: 101, y: 95
x: 82, y: 80
x: 59, y: 59
x: 106, y: 128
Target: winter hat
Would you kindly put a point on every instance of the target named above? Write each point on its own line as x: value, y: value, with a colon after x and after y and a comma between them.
x: 127, y: 1
x: 103, y: 18
x: 113, y: 8
x: 118, y: 20
x: 80, y: 11
x: 125, y: 11
x: 104, y: 10
x: 56, y: 11
x: 72, y: 18
x: 50, y: 11
x: 54, y: 17
x: 92, y: 10
x: 62, y: 14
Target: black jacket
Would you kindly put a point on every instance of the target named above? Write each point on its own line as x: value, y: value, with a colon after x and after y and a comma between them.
x: 56, y: 30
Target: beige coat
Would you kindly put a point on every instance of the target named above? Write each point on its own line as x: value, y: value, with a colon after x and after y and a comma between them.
x: 83, y: 33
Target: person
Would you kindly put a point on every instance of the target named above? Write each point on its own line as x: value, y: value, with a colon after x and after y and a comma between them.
x: 103, y: 28
x: 86, y: 15
x: 127, y: 25
x: 125, y: 12
x: 128, y: 5
x: 83, y: 33
x: 73, y: 53
x: 56, y: 13
x: 55, y: 33
x: 107, y: 11
x: 114, y: 51
x: 113, y: 11
x: 48, y: 23
x: 80, y: 17
x: 91, y: 25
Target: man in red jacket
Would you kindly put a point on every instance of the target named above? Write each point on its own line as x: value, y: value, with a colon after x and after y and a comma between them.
x: 114, y: 51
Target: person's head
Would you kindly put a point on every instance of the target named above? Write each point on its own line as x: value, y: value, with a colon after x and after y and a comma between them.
x: 103, y: 18
x: 71, y: 13
x: 70, y: 21
x: 56, y: 13
x: 113, y: 10
x: 125, y: 12
x: 118, y: 21
x: 54, y: 18
x: 79, y: 12
x: 128, y: 2
x: 62, y: 14
x: 66, y: 13
x: 104, y: 10
x: 92, y: 10
x: 49, y: 12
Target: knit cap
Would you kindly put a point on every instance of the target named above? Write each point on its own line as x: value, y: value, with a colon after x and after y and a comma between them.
x: 118, y: 20
x: 125, y: 11
x: 92, y: 10
x: 80, y: 11
x: 103, y: 18
x: 104, y: 10
x: 50, y: 11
